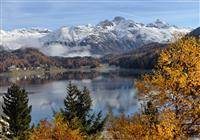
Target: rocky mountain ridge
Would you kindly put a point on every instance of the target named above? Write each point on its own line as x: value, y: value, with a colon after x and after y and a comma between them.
x: 107, y: 37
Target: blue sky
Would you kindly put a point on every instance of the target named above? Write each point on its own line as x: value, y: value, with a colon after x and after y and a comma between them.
x: 53, y: 14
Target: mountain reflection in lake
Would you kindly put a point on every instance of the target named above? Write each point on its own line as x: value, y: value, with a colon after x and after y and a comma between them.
x: 111, y: 90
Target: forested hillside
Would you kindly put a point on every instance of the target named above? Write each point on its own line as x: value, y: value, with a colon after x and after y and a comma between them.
x: 138, y: 58
x: 30, y: 58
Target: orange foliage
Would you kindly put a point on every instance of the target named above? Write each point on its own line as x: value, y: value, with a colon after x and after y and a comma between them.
x: 141, y: 127
x: 57, y: 130
x: 174, y: 91
x: 174, y: 87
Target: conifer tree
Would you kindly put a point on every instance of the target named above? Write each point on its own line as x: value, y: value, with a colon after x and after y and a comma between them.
x: 16, y: 112
x: 78, y: 106
x: 3, y: 130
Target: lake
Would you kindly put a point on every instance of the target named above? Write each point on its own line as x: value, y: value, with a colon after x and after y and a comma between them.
x: 110, y: 90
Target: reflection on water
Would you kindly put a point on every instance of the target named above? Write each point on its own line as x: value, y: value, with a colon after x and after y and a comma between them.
x: 112, y: 90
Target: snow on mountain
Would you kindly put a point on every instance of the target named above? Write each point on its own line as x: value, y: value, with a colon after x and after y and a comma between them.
x: 159, y: 24
x: 19, y: 38
x: 115, y: 36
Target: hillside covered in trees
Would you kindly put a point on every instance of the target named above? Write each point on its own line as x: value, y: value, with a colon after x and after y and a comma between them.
x: 30, y: 58
x: 138, y: 58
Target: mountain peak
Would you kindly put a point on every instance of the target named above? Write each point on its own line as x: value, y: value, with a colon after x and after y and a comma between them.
x: 105, y: 23
x: 195, y: 33
x: 109, y: 36
x: 118, y: 19
x: 158, y: 21
x: 159, y: 24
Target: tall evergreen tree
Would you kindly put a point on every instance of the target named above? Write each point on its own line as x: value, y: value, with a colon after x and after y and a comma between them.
x: 78, y: 106
x: 17, y: 112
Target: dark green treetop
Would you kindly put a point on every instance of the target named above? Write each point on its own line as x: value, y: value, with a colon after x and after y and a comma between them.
x: 78, y: 106
x: 16, y: 112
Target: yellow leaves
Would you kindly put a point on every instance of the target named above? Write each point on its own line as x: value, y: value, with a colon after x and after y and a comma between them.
x: 62, y: 131
x: 165, y: 58
x: 184, y: 52
x: 43, y: 132
x: 182, y: 81
x: 176, y: 87
x: 58, y: 130
x: 141, y: 127
x: 123, y: 128
x: 142, y: 88
x: 178, y: 67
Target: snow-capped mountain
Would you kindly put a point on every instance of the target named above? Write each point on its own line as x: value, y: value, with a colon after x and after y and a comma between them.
x: 19, y: 38
x: 115, y: 36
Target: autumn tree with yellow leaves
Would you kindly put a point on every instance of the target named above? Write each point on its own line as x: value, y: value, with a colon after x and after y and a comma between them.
x: 58, y: 129
x: 173, y: 89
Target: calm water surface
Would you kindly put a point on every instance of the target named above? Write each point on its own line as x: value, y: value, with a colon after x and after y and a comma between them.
x: 109, y: 90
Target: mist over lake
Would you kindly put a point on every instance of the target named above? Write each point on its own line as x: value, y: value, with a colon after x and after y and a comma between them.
x: 111, y: 90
